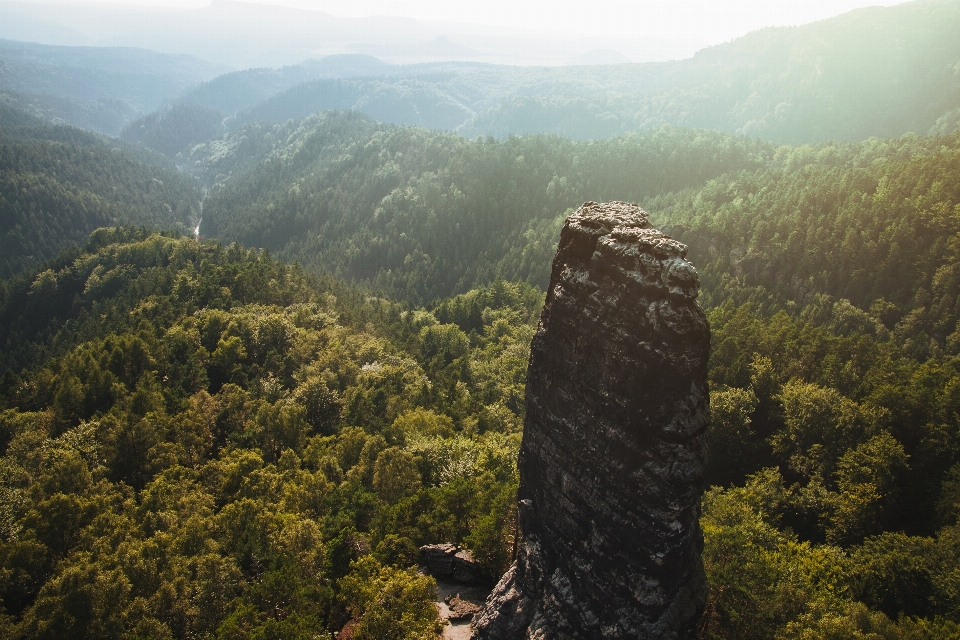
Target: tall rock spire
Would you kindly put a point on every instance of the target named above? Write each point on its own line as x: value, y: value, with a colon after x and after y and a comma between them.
x: 613, y: 453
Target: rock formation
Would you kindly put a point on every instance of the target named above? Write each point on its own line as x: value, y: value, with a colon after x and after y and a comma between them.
x: 613, y: 453
x: 450, y: 562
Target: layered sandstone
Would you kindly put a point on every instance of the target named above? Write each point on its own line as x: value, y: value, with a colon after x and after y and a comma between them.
x: 613, y: 453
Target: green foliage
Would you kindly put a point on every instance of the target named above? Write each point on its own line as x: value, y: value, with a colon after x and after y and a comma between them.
x: 856, y: 236
x: 174, y: 128
x: 390, y: 604
x: 209, y: 443
x: 730, y: 437
x: 867, y: 479
x: 202, y: 441
x: 188, y: 415
x: 891, y: 573
x: 949, y: 505
x: 422, y: 215
x: 761, y: 578
x: 852, y: 375
x: 57, y: 185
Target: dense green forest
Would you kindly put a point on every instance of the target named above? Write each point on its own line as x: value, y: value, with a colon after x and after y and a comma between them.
x: 188, y: 422
x: 209, y: 443
x: 874, y: 223
x: 58, y: 184
x: 207, y: 415
x: 828, y: 276
x: 422, y: 215
x: 175, y: 128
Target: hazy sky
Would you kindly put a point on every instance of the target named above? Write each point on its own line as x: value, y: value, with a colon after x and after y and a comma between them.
x: 710, y: 21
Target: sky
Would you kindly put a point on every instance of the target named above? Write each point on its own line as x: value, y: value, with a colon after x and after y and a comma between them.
x: 524, y: 32
x: 709, y: 21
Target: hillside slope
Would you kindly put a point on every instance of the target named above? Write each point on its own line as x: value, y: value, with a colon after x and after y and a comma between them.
x: 258, y: 437
x: 61, y: 183
x: 421, y: 214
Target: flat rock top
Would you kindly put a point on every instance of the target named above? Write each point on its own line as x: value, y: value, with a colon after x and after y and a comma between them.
x: 607, y: 216
x: 624, y: 224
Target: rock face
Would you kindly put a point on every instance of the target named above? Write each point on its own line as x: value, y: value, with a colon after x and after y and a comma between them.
x: 613, y: 454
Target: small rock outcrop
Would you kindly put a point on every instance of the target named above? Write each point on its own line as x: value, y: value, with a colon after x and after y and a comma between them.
x: 450, y: 562
x: 613, y: 454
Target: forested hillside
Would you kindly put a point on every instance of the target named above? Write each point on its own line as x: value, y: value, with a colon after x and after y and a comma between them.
x: 248, y: 434
x: 175, y: 128
x: 191, y: 423
x: 61, y: 183
x: 209, y: 443
x: 828, y: 282
x: 186, y: 423
x: 423, y: 215
x: 873, y: 223
x: 234, y: 91
x: 870, y: 72
x: 107, y: 115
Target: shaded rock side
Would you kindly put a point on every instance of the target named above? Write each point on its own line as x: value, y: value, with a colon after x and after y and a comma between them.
x: 613, y: 454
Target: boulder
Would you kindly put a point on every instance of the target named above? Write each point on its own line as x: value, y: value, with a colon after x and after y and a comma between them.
x: 450, y: 562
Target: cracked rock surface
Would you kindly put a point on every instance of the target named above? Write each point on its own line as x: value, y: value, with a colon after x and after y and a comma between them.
x: 613, y: 454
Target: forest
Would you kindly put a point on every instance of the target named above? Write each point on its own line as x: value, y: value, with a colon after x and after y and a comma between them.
x: 210, y: 443
x: 59, y: 184
x: 254, y: 354
x: 423, y: 214
x: 209, y: 415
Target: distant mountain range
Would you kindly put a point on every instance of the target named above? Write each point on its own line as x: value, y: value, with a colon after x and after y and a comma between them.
x: 870, y: 72
x: 96, y: 88
x: 244, y: 34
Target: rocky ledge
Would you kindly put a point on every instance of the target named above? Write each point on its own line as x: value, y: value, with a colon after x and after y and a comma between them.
x: 613, y: 453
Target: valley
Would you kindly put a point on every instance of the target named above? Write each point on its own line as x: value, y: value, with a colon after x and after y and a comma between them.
x: 264, y: 332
